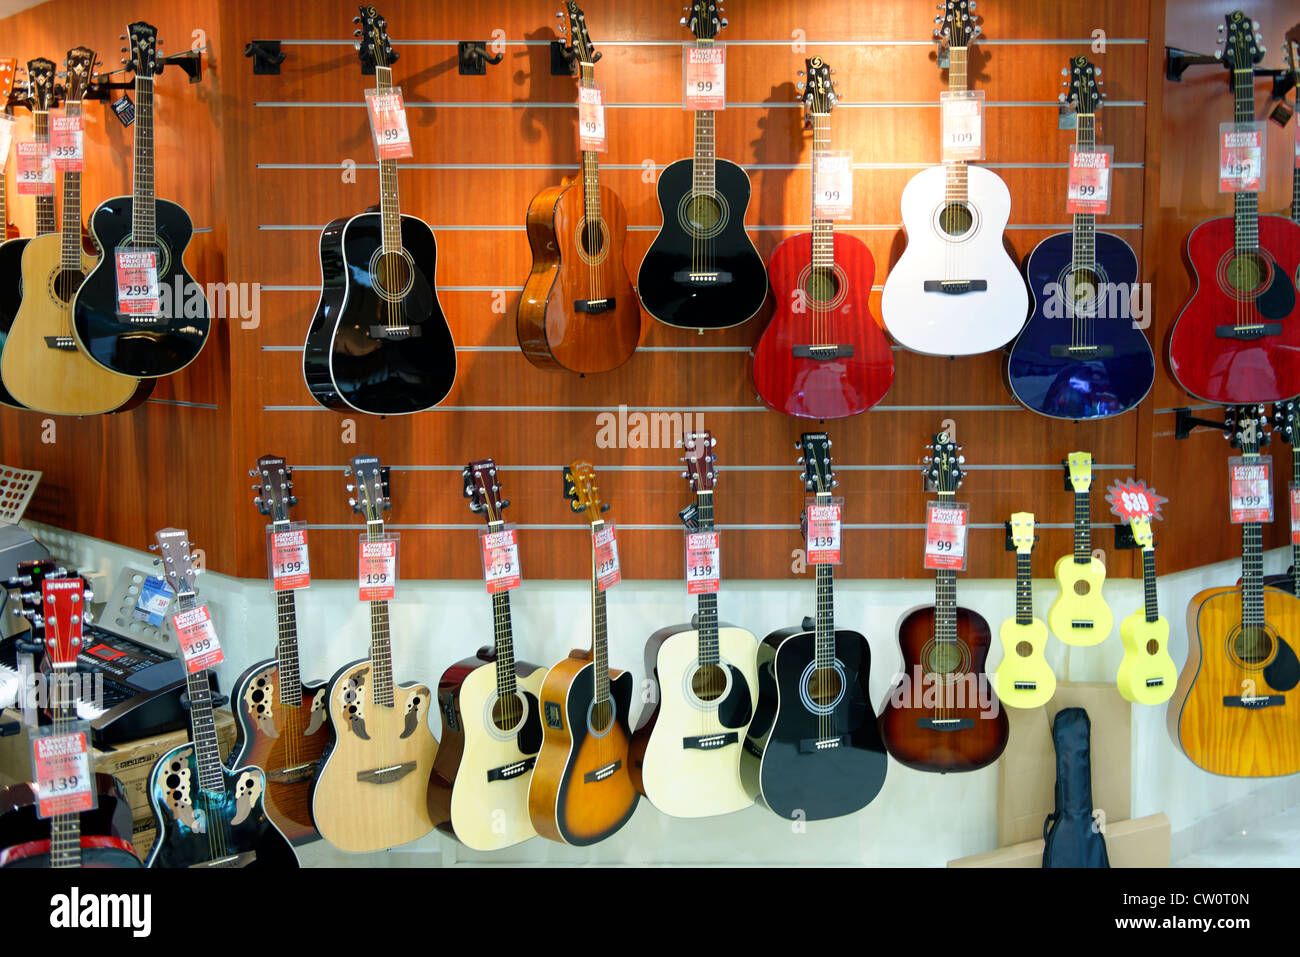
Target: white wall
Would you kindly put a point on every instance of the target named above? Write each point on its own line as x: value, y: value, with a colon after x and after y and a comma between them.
x: 917, y: 819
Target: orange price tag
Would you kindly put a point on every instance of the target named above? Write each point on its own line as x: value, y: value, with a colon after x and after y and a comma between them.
x: 945, y: 535
x: 605, y: 542
x: 591, y: 119
x: 388, y: 123
x: 1251, y: 488
x: 706, y: 77
x: 198, y: 639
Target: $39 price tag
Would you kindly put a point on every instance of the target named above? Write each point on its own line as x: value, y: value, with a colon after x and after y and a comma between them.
x: 35, y: 174
x: 377, y: 569
x: 500, y: 554
x: 945, y: 535
x: 137, y: 282
x: 198, y: 639
x: 1089, y: 190
x: 702, y: 563
x: 65, y: 142
x: 61, y: 762
x: 706, y: 77
x: 1250, y: 487
x: 290, y: 564
x: 591, y: 119
x: 1241, y: 157
x: 604, y: 541
x: 833, y: 185
x: 962, y: 124
x: 823, y: 534
x: 388, y: 124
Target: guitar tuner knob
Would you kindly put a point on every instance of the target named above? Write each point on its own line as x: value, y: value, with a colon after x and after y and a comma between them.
x: 682, y: 21
x: 352, y: 502
x: 293, y: 499
x: 724, y: 21
x: 683, y: 475
x: 153, y: 548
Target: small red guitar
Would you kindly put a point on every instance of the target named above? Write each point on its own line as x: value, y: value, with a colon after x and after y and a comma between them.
x: 822, y: 356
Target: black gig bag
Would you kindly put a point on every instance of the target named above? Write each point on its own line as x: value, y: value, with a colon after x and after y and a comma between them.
x: 1070, y: 836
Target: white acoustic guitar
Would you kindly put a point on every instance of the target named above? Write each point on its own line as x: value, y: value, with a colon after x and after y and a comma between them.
x: 955, y: 291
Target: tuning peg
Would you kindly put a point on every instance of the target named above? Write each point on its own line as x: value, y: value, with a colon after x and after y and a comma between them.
x: 153, y: 548
x: 1218, y: 54
x: 977, y: 31
x: 122, y: 36
x: 724, y: 21
x: 799, y: 86
x: 352, y: 502
x: 1255, y: 24
x: 1262, y: 49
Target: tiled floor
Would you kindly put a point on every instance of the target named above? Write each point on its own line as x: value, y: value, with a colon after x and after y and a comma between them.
x: 1272, y: 842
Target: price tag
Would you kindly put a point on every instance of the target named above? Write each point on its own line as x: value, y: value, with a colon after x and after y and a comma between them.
x: 388, y: 124
x: 1295, y: 514
x: 500, y: 554
x: 1132, y: 499
x: 65, y: 142
x: 604, y: 541
x: 833, y: 185
x: 705, y: 83
x: 702, y: 563
x: 1297, y: 143
x: 591, y: 119
x: 198, y: 639
x: 137, y: 282
x: 1090, y: 180
x: 1241, y: 157
x: 61, y: 766
x: 1250, y: 486
x: 945, y: 535
x: 151, y: 604
x: 35, y: 174
x: 822, y: 530
x: 377, y: 568
x: 287, y: 558
x: 7, y: 125
x: 962, y: 125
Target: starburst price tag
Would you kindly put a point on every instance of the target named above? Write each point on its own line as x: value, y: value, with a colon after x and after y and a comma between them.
x: 833, y: 185
x: 962, y: 125
x: 1089, y: 190
x: 198, y: 639
x: 499, y: 551
x: 1241, y: 157
x: 1132, y: 499
x: 591, y: 119
x: 287, y: 556
x: 388, y: 123
x: 377, y: 568
x: 822, y: 524
x: 945, y: 535
x: 702, y: 563
x: 65, y: 142
x: 604, y: 541
x: 35, y: 174
x: 137, y: 282
x: 705, y: 83
x: 7, y: 126
x: 61, y: 766
x: 1250, y: 487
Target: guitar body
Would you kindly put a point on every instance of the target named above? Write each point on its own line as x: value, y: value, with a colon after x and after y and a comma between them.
x: 378, y: 343
x: 141, y: 347
x: 41, y: 365
x: 1146, y: 674
x: 781, y: 762
x: 479, y: 789
x: 581, y: 791
x: 705, y: 236
x: 554, y: 332
x: 834, y: 385
x: 686, y: 755
x: 1079, y: 615
x: 354, y: 808
x: 226, y: 828
x: 11, y: 297
x: 1042, y: 373
x: 1208, y: 357
x: 1023, y: 678
x: 20, y: 825
x: 954, y: 324
x: 936, y: 728
x: 95, y: 852
x: 285, y: 741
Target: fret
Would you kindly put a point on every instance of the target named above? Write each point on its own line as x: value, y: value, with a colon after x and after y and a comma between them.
x: 65, y: 829
x: 599, y: 639
x: 143, y: 206
x: 590, y: 171
x: 1245, y: 205
x: 825, y: 631
x: 704, y: 165
x: 1149, y: 603
x: 1252, y: 561
x: 955, y: 188
x: 503, y: 635
x: 707, y: 607
x: 1024, y: 589
x: 823, y: 230
x: 45, y: 221
x: 390, y: 213
x: 1084, y: 246
x: 1295, y: 548
x: 1082, y: 528
x: 203, y: 729
x: 286, y: 646
x: 381, y: 657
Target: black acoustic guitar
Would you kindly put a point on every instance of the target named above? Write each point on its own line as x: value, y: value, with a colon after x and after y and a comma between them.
x: 702, y: 271
x: 119, y: 336
x: 379, y: 341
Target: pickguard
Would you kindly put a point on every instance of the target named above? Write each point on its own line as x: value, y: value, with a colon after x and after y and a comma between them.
x: 735, y: 710
x: 248, y: 789
x: 1277, y: 301
x: 1283, y: 672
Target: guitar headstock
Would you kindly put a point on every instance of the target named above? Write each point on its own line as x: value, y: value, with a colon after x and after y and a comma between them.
x: 583, y: 493
x: 815, y: 457
x: 1291, y: 52
x: 943, y: 466
x: 704, y: 19
x: 1243, y: 44
x: 173, y: 548
x: 1079, y: 465
x: 40, y: 84
x: 701, y: 463
x: 957, y: 26
x: 819, y: 93
x: 369, y: 487
x: 1022, y: 532
x: 80, y: 67
x: 1286, y: 421
x: 63, y: 602
x: 142, y: 45
x: 1247, y: 428
x: 274, y: 487
x: 578, y: 48
x: 8, y: 73
x: 373, y: 45
x: 1142, y: 533
x: 1083, y: 88
x: 483, y: 489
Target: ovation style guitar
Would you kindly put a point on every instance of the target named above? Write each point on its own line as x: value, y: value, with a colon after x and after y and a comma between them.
x: 1105, y: 366
x: 11, y: 256
x: 813, y: 750
x: 208, y: 814
x: 1023, y: 678
x: 686, y: 753
x: 702, y: 271
x: 581, y: 791
x: 1236, y: 710
x: 1079, y: 614
x: 371, y: 790
x: 941, y: 713
x: 281, y: 723
x: 822, y: 356
x: 491, y: 719
x: 379, y: 341
x: 127, y: 337
x: 1237, y: 340
x: 955, y: 290
x: 41, y: 365
x: 578, y: 311
x: 1147, y: 673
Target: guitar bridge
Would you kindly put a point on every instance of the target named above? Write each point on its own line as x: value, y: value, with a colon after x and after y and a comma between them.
x: 594, y: 307
x: 396, y: 333
x: 1254, y: 702
x: 1082, y: 352
x: 822, y: 353
x: 602, y: 772
x: 61, y: 343
x: 955, y: 287
x: 1254, y: 330
x: 709, y: 742
x: 508, y: 771
x: 691, y: 277
x: 299, y: 772
x: 386, y: 775
x: 946, y: 724
x: 815, y: 745
x: 230, y: 860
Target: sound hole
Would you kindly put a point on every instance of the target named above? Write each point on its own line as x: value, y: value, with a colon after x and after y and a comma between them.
x: 822, y: 285
x: 602, y: 713
x: 1252, y: 644
x: 1024, y: 649
x: 66, y: 283
x: 708, y: 682
x: 1082, y: 287
x: 1081, y: 587
x: 824, y: 686
x: 945, y: 658
x: 955, y: 219
x: 392, y: 274
x: 592, y: 239
x: 506, y: 713
x: 703, y: 213
x: 1246, y: 272
x: 1153, y: 647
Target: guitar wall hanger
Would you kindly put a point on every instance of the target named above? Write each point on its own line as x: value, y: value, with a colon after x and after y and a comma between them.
x: 473, y: 58
x: 1178, y: 61
x: 1185, y: 423
x: 191, y: 61
x: 266, y: 55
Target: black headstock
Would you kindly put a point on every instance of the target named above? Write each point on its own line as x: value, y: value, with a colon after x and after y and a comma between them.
x: 142, y: 49
x: 1083, y: 88
x: 1286, y: 421
x: 483, y: 489
x: 817, y: 88
x: 274, y: 487
x: 1243, y: 44
x: 704, y: 19
x: 40, y: 84
x: 373, y: 46
x: 369, y: 487
x: 957, y: 26
x: 578, y: 47
x: 1247, y: 428
x: 943, y: 466
x: 815, y: 457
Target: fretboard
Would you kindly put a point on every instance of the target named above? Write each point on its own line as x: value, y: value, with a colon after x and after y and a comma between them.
x: 143, y: 208
x: 823, y: 230
x: 70, y: 245
x: 65, y: 829
x: 1246, y: 205
x: 503, y: 636
x: 955, y: 190
x: 945, y: 593
x: 1085, y: 224
x: 825, y: 633
x: 599, y: 639
x: 590, y: 170
x: 390, y: 207
x: 381, y: 655
x: 707, y: 618
x: 203, y: 728
x: 1082, y: 528
x: 1295, y: 192
x: 1295, y: 548
x: 1024, y: 588
x: 1149, y: 604
x: 704, y: 166
x: 45, y: 221
x: 286, y: 645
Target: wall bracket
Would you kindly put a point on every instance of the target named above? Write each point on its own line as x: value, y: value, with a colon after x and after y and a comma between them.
x: 267, y: 57
x: 1185, y: 422
x: 473, y: 59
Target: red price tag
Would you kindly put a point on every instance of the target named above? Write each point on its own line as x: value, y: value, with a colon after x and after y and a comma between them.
x: 377, y: 569
x: 35, y: 174
x: 1295, y: 514
x: 1241, y: 157
x: 388, y: 123
x: 288, y: 560
x: 1132, y: 499
x: 706, y: 77
x: 833, y: 185
x: 591, y: 119
x: 962, y: 125
x: 605, y: 542
x: 823, y: 533
x: 945, y: 535
x: 1250, y: 484
x: 703, y: 570
x: 198, y: 639
x: 65, y: 142
x: 137, y: 282
x: 500, y: 554
x: 1090, y: 180
x: 61, y: 762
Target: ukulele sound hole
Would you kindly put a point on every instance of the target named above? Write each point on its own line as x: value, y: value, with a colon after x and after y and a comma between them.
x: 393, y: 275
x: 66, y: 283
x: 1153, y: 647
x: 1081, y: 587
x: 506, y: 713
x: 602, y: 715
x: 945, y: 658
x: 1024, y: 649
x: 1252, y: 645
x: 824, y: 686
x: 822, y: 285
x: 592, y: 238
x: 955, y: 219
x: 1245, y: 273
x: 708, y: 682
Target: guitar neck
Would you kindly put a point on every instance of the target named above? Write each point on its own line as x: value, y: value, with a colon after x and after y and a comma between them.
x: 45, y: 221
x: 956, y: 191
x: 706, y: 621
x: 1024, y: 588
x: 825, y: 632
x: 823, y: 230
x: 143, y: 207
x: 1149, y: 604
x: 381, y: 655
x: 599, y: 638
x: 1295, y: 547
x: 704, y: 165
x: 503, y: 635
x: 286, y: 649
x: 1252, y: 574
x: 945, y: 594
x: 65, y: 829
x: 1085, y: 245
x: 203, y: 727
x: 590, y: 165
x: 1246, y: 205
x: 390, y: 207
x: 1082, y: 528
x: 70, y: 246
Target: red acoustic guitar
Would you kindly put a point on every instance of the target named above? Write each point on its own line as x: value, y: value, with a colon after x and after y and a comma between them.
x: 822, y: 356
x: 1238, y: 339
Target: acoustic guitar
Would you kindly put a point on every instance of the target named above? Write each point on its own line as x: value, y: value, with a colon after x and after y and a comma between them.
x: 1286, y: 424
x: 11, y: 256
x: 581, y: 791
x: 382, y: 752
x: 1023, y: 678
x: 1079, y: 614
x: 1237, y: 340
x: 941, y: 713
x: 578, y: 311
x: 42, y: 367
x: 491, y: 718
x: 686, y: 752
x: 1147, y: 673
x: 281, y: 722
x: 1236, y: 710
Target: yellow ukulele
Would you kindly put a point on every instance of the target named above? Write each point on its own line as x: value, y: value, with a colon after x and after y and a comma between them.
x: 1024, y: 679
x: 1147, y: 674
x: 1079, y: 615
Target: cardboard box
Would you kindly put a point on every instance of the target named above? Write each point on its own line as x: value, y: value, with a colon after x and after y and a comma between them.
x: 142, y: 837
x: 1136, y: 843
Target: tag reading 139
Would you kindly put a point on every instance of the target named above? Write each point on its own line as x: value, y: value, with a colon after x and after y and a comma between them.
x: 823, y: 533
x: 377, y: 569
x: 198, y: 639
x: 1250, y: 487
x: 702, y: 563
x: 604, y: 541
x: 500, y: 554
x: 61, y: 762
x: 290, y: 564
x: 945, y: 535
